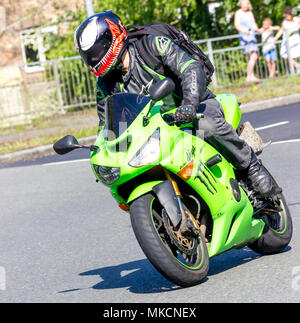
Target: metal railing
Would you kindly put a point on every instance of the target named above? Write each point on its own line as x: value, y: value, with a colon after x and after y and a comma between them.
x: 231, y: 63
x: 66, y: 83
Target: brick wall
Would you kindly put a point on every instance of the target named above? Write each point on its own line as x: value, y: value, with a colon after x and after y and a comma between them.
x: 18, y: 15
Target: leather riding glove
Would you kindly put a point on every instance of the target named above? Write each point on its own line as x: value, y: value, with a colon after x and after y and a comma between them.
x: 185, y: 114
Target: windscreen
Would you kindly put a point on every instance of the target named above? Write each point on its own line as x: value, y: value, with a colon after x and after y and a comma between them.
x: 120, y: 111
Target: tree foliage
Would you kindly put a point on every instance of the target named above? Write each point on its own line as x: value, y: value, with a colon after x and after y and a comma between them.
x: 261, y: 9
x: 191, y: 16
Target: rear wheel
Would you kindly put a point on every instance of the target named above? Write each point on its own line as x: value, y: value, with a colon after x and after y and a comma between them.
x: 184, y: 268
x: 278, y: 230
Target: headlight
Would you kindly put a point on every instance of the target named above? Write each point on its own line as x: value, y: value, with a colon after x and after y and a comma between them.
x: 108, y: 175
x: 149, y: 152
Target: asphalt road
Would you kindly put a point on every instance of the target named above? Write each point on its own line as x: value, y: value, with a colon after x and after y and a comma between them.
x: 63, y: 238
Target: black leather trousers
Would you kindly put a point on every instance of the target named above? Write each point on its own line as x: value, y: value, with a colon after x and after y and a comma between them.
x: 221, y: 135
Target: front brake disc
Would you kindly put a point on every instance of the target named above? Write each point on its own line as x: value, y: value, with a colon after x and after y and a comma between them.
x: 185, y: 245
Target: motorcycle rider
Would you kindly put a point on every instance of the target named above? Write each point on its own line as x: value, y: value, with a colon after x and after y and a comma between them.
x: 102, y: 42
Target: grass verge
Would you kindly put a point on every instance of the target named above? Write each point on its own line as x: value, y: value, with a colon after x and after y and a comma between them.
x: 55, y: 121
x: 45, y: 139
x: 267, y: 89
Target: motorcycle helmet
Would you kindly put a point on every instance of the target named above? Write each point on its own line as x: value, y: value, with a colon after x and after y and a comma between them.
x: 100, y: 41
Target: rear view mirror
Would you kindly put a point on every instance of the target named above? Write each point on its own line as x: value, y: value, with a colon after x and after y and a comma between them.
x: 161, y: 89
x: 66, y: 144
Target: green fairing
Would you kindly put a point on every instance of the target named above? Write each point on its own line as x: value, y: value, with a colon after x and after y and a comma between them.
x: 141, y: 190
x: 232, y: 110
x: 233, y: 225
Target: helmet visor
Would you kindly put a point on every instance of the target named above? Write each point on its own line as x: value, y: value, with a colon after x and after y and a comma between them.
x: 94, y: 55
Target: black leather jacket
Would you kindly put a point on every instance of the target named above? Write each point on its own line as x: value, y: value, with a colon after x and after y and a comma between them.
x: 187, y: 73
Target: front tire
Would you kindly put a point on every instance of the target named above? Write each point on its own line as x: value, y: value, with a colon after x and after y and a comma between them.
x: 180, y: 269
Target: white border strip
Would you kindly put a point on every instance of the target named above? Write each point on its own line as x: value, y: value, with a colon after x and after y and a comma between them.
x: 285, y: 141
x: 272, y: 125
x: 66, y: 162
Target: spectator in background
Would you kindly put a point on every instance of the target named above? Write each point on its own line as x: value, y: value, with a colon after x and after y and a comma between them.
x: 245, y: 24
x: 290, y: 26
x: 268, y: 45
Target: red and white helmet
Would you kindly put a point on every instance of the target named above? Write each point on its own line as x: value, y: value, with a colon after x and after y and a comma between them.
x: 100, y: 41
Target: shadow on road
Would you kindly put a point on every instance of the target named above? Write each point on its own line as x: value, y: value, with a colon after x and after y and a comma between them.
x: 231, y: 259
x: 138, y: 276
x: 141, y: 277
x: 234, y: 258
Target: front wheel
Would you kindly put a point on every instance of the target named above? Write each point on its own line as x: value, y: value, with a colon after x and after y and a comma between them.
x: 183, y: 269
x: 278, y: 228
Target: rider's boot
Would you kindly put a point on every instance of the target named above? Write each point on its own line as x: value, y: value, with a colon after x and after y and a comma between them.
x: 259, y: 178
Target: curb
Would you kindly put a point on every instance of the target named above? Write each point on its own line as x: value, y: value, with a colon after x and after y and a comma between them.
x: 270, y: 103
x: 37, y: 152
x: 42, y: 151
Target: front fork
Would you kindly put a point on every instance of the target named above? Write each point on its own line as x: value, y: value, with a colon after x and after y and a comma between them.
x: 170, y: 197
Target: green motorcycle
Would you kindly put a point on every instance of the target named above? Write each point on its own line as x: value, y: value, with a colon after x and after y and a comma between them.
x: 187, y: 203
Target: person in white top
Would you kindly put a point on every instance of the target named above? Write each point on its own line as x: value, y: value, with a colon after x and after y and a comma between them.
x: 245, y: 24
x: 290, y: 27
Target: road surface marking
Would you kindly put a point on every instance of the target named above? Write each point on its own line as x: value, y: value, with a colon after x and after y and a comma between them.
x: 272, y: 125
x: 66, y: 162
x: 285, y: 141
